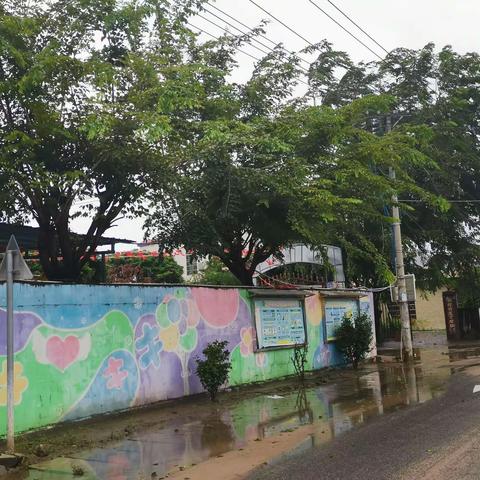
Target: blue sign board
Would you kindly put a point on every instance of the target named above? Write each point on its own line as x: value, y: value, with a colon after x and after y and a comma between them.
x: 335, y: 310
x: 279, y: 326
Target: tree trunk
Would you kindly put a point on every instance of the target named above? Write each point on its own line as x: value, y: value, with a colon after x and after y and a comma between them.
x: 238, y: 268
x: 55, y: 268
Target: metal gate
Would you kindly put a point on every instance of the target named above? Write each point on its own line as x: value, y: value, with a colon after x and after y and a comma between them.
x: 387, y: 318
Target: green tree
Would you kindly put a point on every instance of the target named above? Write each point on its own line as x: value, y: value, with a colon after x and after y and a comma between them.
x: 262, y: 170
x: 234, y: 191
x: 353, y: 338
x: 216, y: 273
x: 91, y: 96
x: 310, y: 174
x: 214, y: 369
x: 434, y: 90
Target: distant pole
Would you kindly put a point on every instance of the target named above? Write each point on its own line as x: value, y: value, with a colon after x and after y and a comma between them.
x: 10, y: 358
x: 406, y: 334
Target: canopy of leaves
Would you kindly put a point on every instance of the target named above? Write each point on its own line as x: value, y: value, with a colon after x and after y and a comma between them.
x: 107, y: 105
x: 261, y: 170
x: 90, y: 93
x: 436, y: 92
x: 215, y: 273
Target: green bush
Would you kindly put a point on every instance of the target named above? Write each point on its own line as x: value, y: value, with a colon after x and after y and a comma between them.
x: 214, y: 369
x: 216, y: 273
x: 354, y: 337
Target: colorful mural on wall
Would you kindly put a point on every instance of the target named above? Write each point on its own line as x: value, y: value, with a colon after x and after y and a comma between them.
x: 82, y: 349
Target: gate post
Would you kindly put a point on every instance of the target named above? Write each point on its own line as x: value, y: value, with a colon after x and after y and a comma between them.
x: 450, y: 307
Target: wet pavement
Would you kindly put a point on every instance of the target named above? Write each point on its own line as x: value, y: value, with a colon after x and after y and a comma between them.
x: 312, y: 417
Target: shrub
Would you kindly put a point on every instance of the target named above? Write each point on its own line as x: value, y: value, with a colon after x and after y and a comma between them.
x: 216, y: 273
x: 214, y: 369
x: 353, y: 338
x: 299, y: 360
x: 77, y: 470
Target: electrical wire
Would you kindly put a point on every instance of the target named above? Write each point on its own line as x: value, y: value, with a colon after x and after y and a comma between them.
x: 226, y: 30
x: 358, y: 26
x: 216, y: 38
x: 251, y: 29
x: 245, y: 33
x: 281, y: 22
x: 344, y: 28
x: 236, y: 48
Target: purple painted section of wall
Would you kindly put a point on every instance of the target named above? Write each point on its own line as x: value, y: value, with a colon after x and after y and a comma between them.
x: 24, y: 325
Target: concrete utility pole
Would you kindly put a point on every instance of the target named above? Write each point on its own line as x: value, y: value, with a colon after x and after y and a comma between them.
x: 406, y: 334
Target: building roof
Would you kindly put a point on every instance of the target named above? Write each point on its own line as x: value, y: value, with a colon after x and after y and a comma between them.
x: 27, y: 237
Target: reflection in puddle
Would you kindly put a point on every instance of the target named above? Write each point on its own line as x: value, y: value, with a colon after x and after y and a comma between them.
x: 332, y: 409
x: 463, y: 353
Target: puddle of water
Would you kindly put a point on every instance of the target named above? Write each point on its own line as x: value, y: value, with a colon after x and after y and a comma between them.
x: 463, y: 353
x: 332, y: 409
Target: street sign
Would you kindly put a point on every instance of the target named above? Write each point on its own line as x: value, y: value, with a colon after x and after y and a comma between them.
x: 20, y: 268
x: 13, y: 267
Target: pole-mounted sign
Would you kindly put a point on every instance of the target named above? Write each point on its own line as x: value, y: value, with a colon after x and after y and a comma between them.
x: 13, y: 267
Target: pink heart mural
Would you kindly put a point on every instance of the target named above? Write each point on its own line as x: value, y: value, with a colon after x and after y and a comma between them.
x: 218, y: 307
x: 62, y: 352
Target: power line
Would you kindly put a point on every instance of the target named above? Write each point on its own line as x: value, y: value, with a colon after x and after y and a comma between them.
x: 236, y: 48
x: 238, y: 21
x: 245, y: 33
x: 344, y: 28
x: 216, y: 38
x: 251, y: 29
x: 358, y: 26
x: 236, y: 28
x: 281, y: 22
x: 226, y: 30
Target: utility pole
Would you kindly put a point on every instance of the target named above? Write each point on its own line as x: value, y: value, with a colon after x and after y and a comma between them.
x: 406, y: 334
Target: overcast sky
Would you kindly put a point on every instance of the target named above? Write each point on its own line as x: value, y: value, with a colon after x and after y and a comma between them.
x: 402, y: 23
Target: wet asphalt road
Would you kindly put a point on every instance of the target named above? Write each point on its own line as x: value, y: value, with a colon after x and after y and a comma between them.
x: 437, y: 440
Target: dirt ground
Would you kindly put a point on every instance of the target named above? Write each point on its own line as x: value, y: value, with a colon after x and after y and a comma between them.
x: 248, y: 427
x: 69, y: 438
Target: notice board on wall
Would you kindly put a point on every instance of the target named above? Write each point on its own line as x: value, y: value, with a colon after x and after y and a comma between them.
x: 335, y: 310
x: 279, y: 322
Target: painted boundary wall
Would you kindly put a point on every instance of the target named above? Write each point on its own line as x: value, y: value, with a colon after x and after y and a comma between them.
x: 82, y: 350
